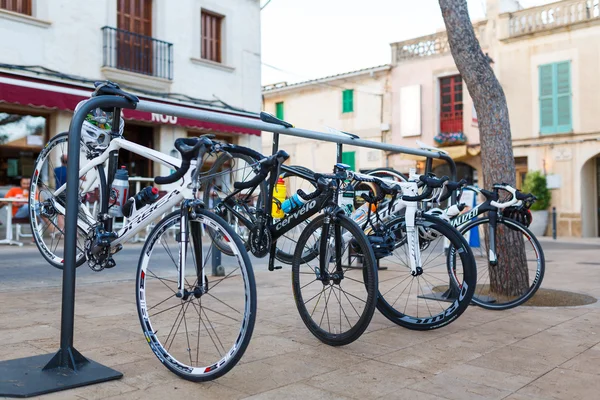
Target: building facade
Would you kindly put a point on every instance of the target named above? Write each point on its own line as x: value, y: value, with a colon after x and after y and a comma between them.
x: 546, y: 59
x: 356, y: 102
x: 202, y: 54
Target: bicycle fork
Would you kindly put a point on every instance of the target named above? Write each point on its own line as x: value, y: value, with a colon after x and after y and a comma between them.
x: 412, y: 236
x: 195, y: 232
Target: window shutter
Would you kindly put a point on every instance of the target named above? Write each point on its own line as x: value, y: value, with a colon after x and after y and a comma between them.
x: 563, y: 97
x: 348, y: 101
x: 410, y: 110
x: 279, y: 110
x: 349, y: 157
x: 546, y: 98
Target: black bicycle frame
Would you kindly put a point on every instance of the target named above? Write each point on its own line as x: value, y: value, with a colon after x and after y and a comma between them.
x: 292, y: 220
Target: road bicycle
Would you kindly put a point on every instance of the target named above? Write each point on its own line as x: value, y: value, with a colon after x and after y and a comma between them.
x: 198, y: 324
x: 412, y: 249
x: 336, y: 302
x: 510, y: 260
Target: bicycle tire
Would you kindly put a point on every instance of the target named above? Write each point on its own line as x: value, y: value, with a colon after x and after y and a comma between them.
x: 436, y: 281
x: 39, y: 194
x: 364, y: 291
x: 481, y: 296
x: 175, y: 355
x: 388, y: 173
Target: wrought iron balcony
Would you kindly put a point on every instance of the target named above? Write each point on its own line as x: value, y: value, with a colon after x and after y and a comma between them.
x: 133, y: 52
x: 552, y: 16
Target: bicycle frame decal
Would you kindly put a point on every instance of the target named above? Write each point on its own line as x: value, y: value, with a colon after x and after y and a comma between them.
x: 464, y: 218
x: 292, y: 217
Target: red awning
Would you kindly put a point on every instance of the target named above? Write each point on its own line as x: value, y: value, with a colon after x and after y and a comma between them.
x: 52, y: 95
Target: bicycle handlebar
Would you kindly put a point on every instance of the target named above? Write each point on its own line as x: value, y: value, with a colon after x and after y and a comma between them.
x: 266, y: 165
x: 509, y: 189
x: 450, y: 188
x: 189, y: 148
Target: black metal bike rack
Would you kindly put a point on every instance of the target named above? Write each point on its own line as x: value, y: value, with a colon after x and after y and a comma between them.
x: 67, y: 368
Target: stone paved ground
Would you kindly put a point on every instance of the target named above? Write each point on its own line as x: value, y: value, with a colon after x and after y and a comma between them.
x: 521, y: 354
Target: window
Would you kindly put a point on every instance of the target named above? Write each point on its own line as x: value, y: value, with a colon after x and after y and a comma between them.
x: 211, y: 36
x: 18, y: 6
x: 348, y: 101
x: 451, y: 104
x: 555, y: 98
x: 134, y: 42
x: 279, y: 110
x: 348, y: 157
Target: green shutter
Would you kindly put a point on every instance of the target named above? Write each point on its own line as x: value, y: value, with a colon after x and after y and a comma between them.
x: 348, y: 101
x: 546, y: 98
x: 279, y: 110
x: 555, y: 98
x: 563, y: 97
x: 348, y: 158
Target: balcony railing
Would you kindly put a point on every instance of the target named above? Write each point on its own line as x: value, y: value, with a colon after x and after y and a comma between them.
x: 551, y: 16
x: 431, y: 45
x: 133, y: 52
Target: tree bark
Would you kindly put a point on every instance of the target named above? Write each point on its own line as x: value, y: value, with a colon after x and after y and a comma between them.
x: 510, y: 275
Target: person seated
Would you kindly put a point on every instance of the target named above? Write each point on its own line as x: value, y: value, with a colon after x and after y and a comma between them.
x: 20, y: 209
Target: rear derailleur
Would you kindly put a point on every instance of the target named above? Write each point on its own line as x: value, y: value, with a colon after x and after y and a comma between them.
x: 98, y: 249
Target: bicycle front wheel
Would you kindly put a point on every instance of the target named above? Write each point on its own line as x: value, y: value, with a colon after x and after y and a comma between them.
x: 335, y: 289
x: 442, y: 291
x: 203, y: 336
x: 516, y: 275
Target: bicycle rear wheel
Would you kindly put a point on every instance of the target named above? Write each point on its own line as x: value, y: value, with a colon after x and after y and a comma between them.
x: 231, y: 168
x: 202, y: 337
x: 335, y: 291
x: 45, y: 215
x: 443, y: 290
x: 505, y: 291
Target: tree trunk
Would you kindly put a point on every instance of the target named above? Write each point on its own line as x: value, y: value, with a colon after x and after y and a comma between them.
x: 510, y: 275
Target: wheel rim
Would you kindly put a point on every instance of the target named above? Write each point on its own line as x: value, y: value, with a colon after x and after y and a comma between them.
x: 425, y: 299
x: 484, y: 294
x: 197, y: 337
x: 47, y: 222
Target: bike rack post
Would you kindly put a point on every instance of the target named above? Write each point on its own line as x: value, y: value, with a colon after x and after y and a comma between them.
x: 67, y: 368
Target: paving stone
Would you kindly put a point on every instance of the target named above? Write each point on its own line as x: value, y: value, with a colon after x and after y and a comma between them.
x: 297, y: 391
x: 368, y: 379
x: 457, y: 389
x: 564, y: 384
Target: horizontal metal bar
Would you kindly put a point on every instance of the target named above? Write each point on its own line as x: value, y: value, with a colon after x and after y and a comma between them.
x: 220, y: 118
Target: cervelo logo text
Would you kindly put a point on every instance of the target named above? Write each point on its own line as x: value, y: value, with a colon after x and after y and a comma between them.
x: 165, y: 119
x: 305, y: 208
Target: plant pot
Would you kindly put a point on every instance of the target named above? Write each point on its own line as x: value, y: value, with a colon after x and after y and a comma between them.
x: 540, y: 222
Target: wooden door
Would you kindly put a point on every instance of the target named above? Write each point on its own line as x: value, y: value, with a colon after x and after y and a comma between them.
x: 134, y: 38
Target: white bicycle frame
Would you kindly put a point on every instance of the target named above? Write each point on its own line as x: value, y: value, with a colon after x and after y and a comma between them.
x: 408, y: 188
x: 142, y: 218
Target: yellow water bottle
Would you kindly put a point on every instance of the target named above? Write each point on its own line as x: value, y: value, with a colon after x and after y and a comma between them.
x: 279, y: 196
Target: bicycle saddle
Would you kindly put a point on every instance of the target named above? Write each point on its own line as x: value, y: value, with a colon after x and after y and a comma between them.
x: 104, y: 88
x: 271, y: 119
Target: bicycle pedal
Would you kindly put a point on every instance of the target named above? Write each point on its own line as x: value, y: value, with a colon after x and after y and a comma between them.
x: 275, y: 267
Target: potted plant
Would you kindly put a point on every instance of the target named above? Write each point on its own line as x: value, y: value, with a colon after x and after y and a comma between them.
x: 535, y: 183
